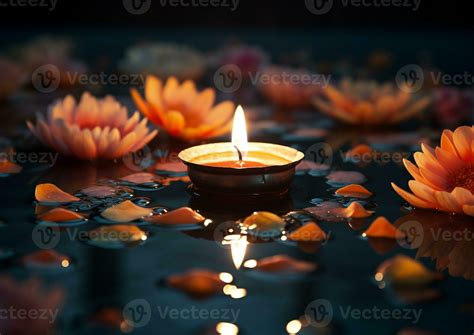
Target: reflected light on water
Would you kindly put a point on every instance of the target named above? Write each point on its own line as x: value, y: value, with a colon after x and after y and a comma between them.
x: 238, y: 293
x: 293, y: 327
x: 238, y: 248
x: 226, y: 277
x: 226, y: 328
x: 228, y: 289
x: 250, y: 264
x: 378, y: 276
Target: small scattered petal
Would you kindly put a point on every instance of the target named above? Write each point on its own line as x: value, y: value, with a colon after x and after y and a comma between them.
x: 126, y: 211
x: 382, y: 228
x: 180, y: 216
x: 354, y: 191
x: 60, y: 215
x: 51, y: 193
x: 310, y: 232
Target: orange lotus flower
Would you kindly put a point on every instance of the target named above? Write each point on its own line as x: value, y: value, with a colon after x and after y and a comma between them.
x: 369, y: 103
x: 444, y: 178
x: 94, y: 128
x: 295, y: 92
x: 183, y: 111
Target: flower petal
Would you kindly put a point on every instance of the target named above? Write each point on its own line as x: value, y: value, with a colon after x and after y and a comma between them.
x: 126, y: 211
x: 382, y: 228
x: 52, y: 193
x: 60, y: 215
x: 354, y: 190
x: 412, y: 199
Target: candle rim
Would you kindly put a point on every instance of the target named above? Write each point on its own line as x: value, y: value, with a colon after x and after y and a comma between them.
x: 293, y: 160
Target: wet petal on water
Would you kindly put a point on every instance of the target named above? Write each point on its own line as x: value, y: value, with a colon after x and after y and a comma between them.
x: 342, y: 178
x: 50, y: 193
x: 126, y: 211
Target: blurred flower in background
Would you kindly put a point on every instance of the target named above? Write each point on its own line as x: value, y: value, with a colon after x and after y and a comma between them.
x: 182, y: 111
x: 370, y: 103
x: 288, y: 87
x: 164, y: 60
x: 12, y: 78
x: 46, y: 50
x: 453, y: 106
x: 249, y: 59
x: 40, y: 306
x: 91, y: 129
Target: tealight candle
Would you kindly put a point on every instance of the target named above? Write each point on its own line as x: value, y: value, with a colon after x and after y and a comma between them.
x: 239, y: 166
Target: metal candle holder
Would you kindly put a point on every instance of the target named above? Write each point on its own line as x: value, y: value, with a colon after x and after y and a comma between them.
x: 275, y: 177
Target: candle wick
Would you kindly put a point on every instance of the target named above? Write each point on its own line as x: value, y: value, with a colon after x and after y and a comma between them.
x: 239, y: 153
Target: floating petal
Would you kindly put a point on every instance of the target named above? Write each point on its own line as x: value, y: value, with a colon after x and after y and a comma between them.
x: 126, y: 211
x: 197, y: 283
x: 356, y: 211
x: 116, y: 236
x: 140, y: 178
x: 99, y: 191
x: 310, y: 232
x: 345, y: 178
x: 403, y: 270
x: 354, y: 191
x: 382, y: 228
x: 50, y: 193
x: 7, y: 167
x: 283, y: 264
x: 180, y: 216
x: 46, y: 259
x: 264, y: 223
x: 60, y: 215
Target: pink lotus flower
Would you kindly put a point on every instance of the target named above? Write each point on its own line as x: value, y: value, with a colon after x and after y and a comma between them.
x: 453, y: 106
x: 444, y: 178
x: 92, y: 129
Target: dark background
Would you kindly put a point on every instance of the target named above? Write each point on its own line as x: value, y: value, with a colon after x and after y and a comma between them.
x: 432, y: 15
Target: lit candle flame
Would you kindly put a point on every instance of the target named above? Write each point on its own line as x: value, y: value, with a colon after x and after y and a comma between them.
x: 238, y: 248
x: 239, y: 132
